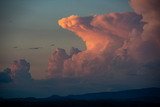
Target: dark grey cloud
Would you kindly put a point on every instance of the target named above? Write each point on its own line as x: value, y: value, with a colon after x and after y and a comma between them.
x: 15, y: 47
x: 5, y: 76
x: 74, y: 50
x: 52, y: 45
x: 20, y: 70
x: 35, y: 48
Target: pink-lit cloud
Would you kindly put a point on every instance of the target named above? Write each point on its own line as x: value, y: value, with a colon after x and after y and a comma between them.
x: 104, y: 36
x: 55, y: 65
x: 122, y: 51
x: 112, y: 38
x: 149, y: 9
x: 99, y: 31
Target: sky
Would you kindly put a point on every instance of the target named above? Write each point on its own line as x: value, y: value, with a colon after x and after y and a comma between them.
x: 63, y: 47
x: 33, y: 23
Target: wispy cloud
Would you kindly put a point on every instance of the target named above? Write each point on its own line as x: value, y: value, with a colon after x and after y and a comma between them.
x: 35, y: 48
x: 15, y: 47
x: 52, y: 45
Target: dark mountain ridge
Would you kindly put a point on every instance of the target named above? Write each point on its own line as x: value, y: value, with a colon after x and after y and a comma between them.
x: 121, y: 95
x: 135, y: 97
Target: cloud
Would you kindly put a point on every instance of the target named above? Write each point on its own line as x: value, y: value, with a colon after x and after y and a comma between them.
x: 74, y: 51
x: 20, y: 70
x: 17, y: 72
x: 106, y: 37
x: 15, y: 47
x: 35, y: 48
x: 5, y: 76
x: 115, y: 44
x: 52, y: 45
x: 122, y: 52
x: 111, y: 27
x: 55, y: 62
x: 149, y: 10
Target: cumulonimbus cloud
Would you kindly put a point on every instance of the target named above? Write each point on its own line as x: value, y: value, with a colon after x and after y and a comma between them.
x: 122, y: 51
x: 114, y: 42
x: 100, y: 30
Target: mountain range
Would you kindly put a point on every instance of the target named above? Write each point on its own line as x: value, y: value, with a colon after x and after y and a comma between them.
x: 128, y: 98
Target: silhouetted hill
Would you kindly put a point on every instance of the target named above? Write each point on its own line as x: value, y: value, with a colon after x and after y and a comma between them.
x: 129, y: 98
x: 135, y: 94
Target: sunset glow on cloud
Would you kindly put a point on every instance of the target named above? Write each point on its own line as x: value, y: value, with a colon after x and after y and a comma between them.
x: 105, y: 37
x: 121, y: 51
x: 110, y: 38
x: 99, y: 31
